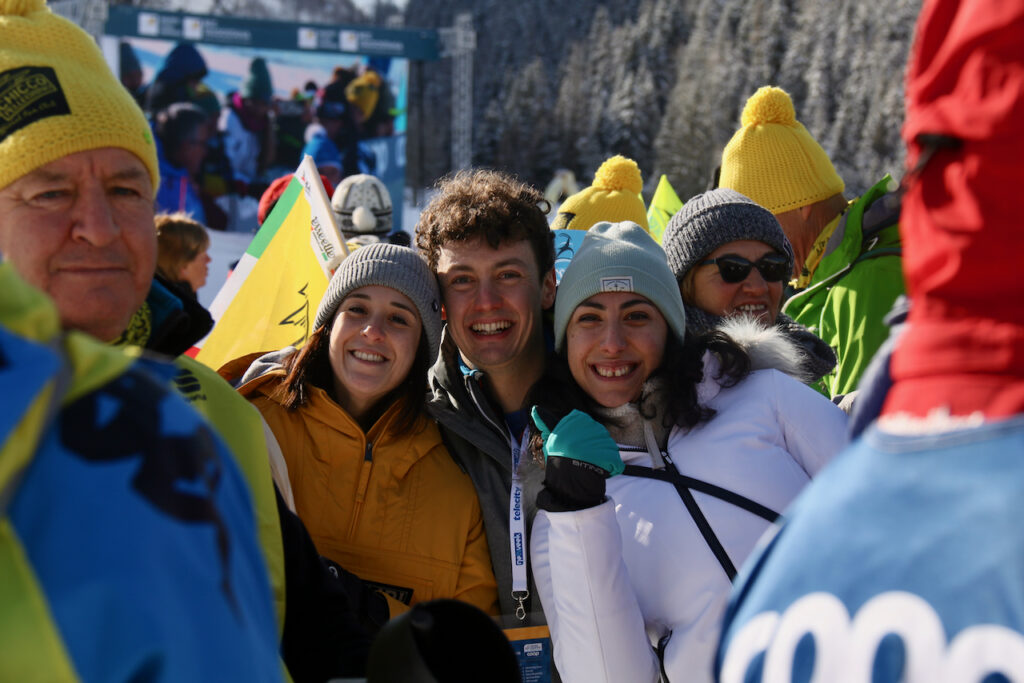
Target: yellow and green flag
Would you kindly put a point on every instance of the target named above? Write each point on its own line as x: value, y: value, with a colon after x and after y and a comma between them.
x: 270, y: 299
x: 664, y: 204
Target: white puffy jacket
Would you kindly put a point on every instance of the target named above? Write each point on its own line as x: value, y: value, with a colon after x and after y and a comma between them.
x: 617, y: 579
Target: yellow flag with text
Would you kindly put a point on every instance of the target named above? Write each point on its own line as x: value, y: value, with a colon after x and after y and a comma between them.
x: 270, y: 299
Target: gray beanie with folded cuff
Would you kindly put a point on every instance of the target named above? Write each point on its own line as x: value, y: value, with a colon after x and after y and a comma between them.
x: 387, y: 265
x: 618, y: 257
x: 714, y: 218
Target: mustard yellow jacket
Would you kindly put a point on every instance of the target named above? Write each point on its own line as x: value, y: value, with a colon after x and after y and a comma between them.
x: 393, y: 508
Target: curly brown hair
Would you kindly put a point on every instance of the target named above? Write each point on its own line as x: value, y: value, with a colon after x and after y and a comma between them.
x: 488, y: 204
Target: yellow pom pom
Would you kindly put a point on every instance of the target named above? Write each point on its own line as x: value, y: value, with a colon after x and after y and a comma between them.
x: 769, y: 105
x: 619, y: 173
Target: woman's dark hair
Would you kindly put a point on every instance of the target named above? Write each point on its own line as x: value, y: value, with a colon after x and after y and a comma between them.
x: 682, y: 369
x: 311, y: 366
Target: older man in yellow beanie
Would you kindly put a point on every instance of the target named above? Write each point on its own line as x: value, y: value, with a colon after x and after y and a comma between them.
x: 105, y: 471
x: 78, y: 177
x: 847, y: 253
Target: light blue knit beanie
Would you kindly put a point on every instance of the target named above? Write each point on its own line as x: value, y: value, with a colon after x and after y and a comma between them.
x: 619, y: 257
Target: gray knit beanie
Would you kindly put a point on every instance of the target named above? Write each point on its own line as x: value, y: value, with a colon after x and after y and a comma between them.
x: 618, y: 257
x: 387, y: 265
x: 714, y: 218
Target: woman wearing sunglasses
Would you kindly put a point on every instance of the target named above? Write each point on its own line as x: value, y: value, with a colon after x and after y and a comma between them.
x: 634, y: 572
x: 732, y: 260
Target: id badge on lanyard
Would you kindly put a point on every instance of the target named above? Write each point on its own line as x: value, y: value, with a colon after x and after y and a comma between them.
x: 531, y: 644
x: 517, y: 528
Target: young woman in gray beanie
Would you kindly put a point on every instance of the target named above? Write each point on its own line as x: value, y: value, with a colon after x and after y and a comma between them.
x: 732, y: 260
x: 703, y: 450
x: 370, y: 476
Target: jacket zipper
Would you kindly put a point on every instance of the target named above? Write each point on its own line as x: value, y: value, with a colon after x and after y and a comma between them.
x: 364, y: 484
x: 471, y: 389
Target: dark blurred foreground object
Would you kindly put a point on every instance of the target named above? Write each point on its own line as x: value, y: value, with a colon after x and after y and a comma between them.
x: 442, y: 641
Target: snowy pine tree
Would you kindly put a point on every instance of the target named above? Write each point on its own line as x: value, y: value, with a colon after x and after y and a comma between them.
x: 663, y: 82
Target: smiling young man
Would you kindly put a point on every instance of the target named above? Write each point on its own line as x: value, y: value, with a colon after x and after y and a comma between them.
x: 487, y: 238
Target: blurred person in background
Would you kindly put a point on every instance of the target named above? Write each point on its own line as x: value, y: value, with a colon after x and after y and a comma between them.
x: 362, y: 205
x: 181, y: 132
x: 176, y: 81
x: 182, y: 245
x: 131, y: 72
x: 247, y: 125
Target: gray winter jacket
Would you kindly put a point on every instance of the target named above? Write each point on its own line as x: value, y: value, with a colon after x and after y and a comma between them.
x: 477, y: 438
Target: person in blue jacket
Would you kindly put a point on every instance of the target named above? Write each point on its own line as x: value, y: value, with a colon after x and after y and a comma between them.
x: 904, y: 561
x: 128, y: 545
x: 181, y: 73
x: 181, y: 135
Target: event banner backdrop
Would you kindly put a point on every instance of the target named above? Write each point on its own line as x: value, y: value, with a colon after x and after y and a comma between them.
x: 295, y: 54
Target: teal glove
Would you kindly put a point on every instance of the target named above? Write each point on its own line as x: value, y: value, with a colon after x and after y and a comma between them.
x: 580, y: 437
x: 579, y: 455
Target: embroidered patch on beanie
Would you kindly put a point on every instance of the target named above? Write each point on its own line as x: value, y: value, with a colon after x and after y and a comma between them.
x: 617, y: 284
x: 59, y: 97
x: 29, y: 94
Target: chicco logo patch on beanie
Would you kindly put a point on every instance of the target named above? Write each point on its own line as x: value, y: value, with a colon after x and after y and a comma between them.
x: 774, y: 160
x: 58, y: 96
x: 29, y: 94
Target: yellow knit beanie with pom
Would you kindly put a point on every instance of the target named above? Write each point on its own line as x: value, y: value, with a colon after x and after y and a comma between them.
x: 774, y: 160
x: 614, y: 197
x: 58, y: 96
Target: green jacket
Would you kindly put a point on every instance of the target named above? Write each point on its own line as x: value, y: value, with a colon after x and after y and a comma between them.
x: 853, y: 288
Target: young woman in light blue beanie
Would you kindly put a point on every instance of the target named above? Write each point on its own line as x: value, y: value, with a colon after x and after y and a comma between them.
x: 703, y: 449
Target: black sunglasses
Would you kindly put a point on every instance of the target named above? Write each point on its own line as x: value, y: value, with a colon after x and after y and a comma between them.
x: 734, y: 268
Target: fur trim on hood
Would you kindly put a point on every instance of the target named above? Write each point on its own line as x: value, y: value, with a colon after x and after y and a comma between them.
x: 768, y: 347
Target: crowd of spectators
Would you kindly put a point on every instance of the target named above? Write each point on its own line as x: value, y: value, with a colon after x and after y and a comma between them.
x: 219, y: 152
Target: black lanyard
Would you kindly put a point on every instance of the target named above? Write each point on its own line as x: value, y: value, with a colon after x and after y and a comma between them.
x: 684, y: 485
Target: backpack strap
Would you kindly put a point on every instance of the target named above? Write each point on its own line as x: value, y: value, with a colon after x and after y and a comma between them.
x: 683, y: 485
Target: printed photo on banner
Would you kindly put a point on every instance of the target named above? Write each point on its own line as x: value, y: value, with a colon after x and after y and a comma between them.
x: 566, y: 244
